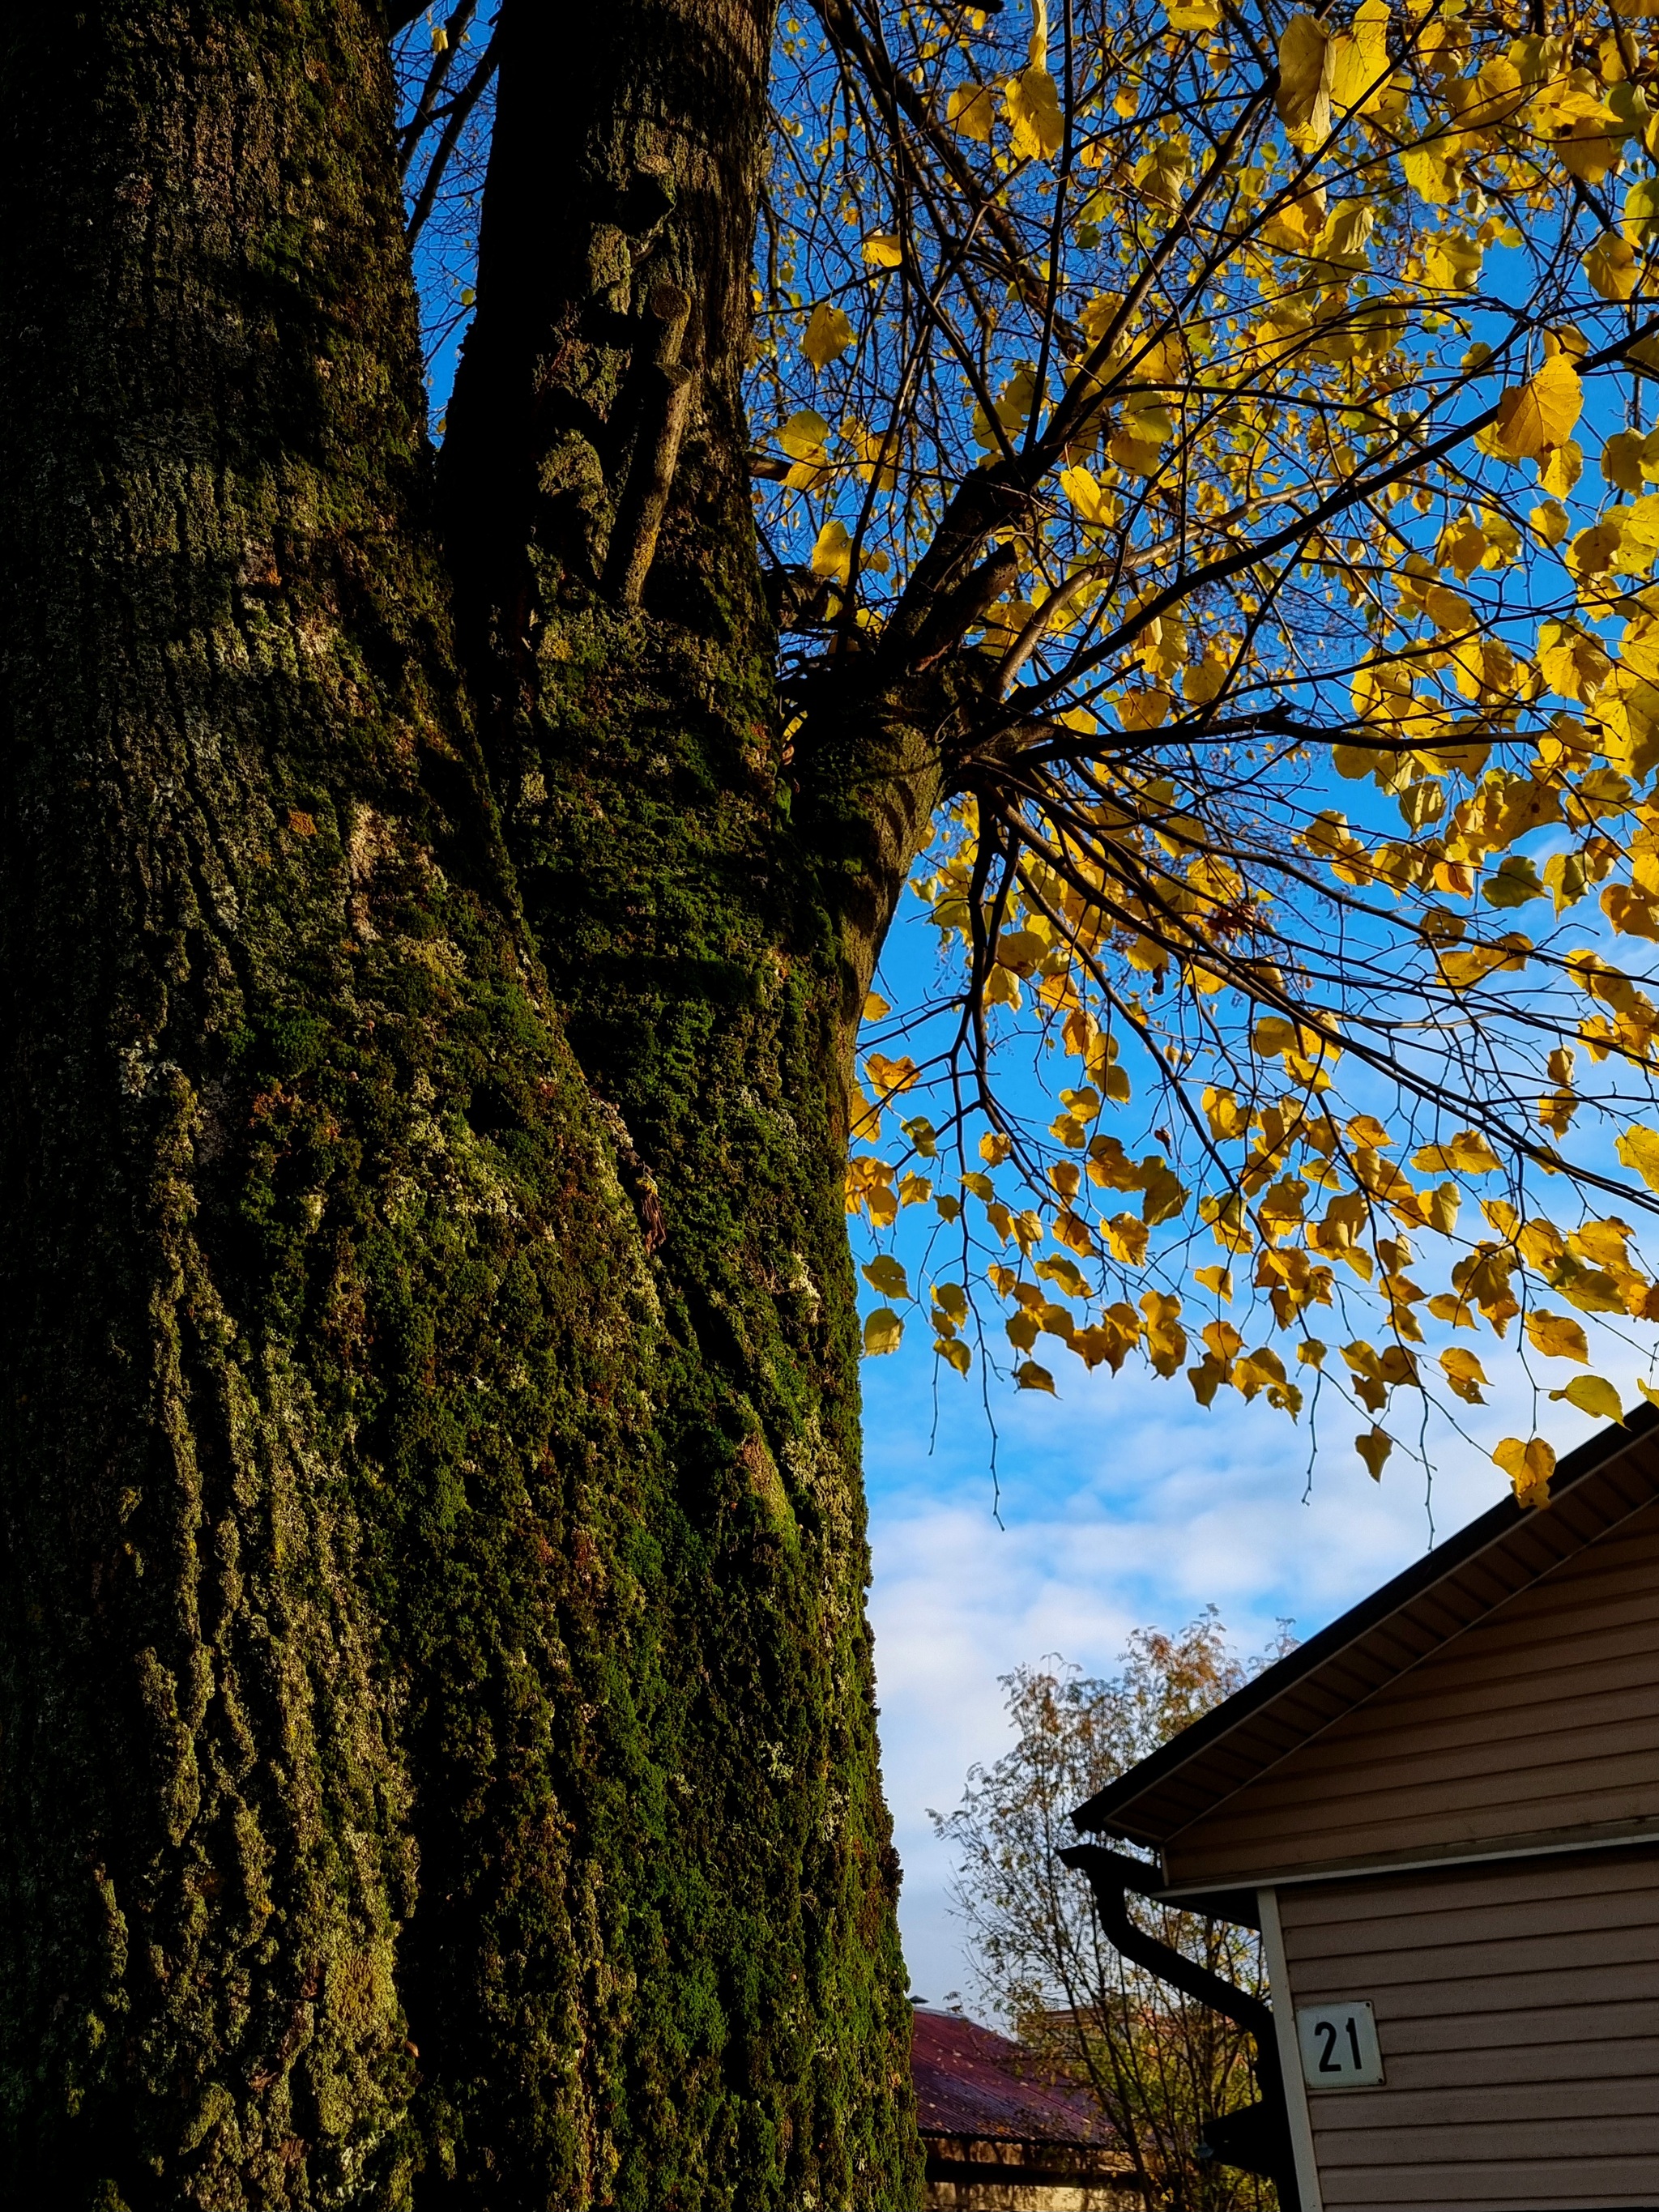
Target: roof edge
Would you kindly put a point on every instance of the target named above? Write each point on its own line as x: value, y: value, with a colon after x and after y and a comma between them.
x: 1094, y: 1816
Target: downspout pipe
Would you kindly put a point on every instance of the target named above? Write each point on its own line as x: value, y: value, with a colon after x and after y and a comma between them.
x: 1111, y: 1875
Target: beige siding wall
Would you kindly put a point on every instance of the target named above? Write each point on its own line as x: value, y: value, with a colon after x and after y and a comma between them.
x: 1543, y: 1715
x: 1517, y: 2010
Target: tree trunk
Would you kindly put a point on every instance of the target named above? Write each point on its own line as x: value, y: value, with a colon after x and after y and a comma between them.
x: 438, y: 1743
x: 711, y: 965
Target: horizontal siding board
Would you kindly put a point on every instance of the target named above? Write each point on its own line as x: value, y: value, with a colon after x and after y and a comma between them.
x: 1454, y: 1890
x: 1519, y: 1801
x: 1583, y: 1950
x: 1591, y: 1633
x: 1598, y: 2136
x: 1615, y: 1582
x: 1528, y: 2029
x: 1456, y: 1887
x: 1483, y: 2064
x: 1459, y: 1714
x: 1550, y: 2185
x: 1426, y: 1935
x: 1622, y: 1981
x: 1493, y: 1655
x: 1548, y: 1613
x: 1463, y: 1714
x: 1622, y: 1784
x: 1432, y: 2114
x: 1594, y: 1792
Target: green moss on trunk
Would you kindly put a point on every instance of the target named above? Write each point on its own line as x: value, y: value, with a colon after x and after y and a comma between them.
x: 710, y: 959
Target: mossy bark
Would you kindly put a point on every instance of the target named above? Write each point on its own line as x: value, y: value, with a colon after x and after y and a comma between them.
x: 709, y: 934
x: 438, y: 1761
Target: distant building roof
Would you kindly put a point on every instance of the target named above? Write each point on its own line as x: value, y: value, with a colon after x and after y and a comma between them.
x: 971, y: 2081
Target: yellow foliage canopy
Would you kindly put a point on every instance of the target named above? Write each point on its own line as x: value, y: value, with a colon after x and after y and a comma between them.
x: 1242, y: 421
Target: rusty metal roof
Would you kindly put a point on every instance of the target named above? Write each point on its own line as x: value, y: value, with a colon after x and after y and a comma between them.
x: 1612, y: 1475
x: 971, y: 2081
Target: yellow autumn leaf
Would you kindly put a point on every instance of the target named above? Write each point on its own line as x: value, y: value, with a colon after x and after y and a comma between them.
x: 888, y: 1076
x: 1356, y: 59
x: 1640, y: 220
x: 876, y: 455
x: 1464, y: 1373
x: 1452, y: 262
x: 1161, y: 173
x: 1031, y: 100
x: 1203, y: 681
x: 1572, y: 661
x: 1374, y: 1447
x: 1433, y: 172
x: 832, y: 553
x: 1561, y: 468
x: 1081, y: 487
x: 1029, y: 1376
x: 1144, y: 710
x: 952, y: 1349
x: 883, y: 250
x: 804, y: 435
x: 1592, y: 1396
x: 828, y: 335
x: 1611, y: 267
x: 1621, y: 462
x: 1463, y: 970
x: 1550, y: 520
x: 1534, y: 417
x: 971, y: 110
x: 1303, y: 95
x: 1557, y: 1336
x: 882, y: 1332
x: 1529, y: 1466
x: 1467, y: 1153
x: 1638, y: 1148
x: 886, y: 1276
x: 804, y: 438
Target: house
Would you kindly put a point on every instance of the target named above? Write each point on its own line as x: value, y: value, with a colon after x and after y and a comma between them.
x: 1002, y: 2136
x: 1443, y: 1814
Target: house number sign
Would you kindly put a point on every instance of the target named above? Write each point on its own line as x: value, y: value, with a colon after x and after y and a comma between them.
x: 1339, y: 2046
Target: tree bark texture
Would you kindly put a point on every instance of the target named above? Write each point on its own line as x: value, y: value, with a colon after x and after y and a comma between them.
x: 438, y: 1759
x: 700, y: 948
